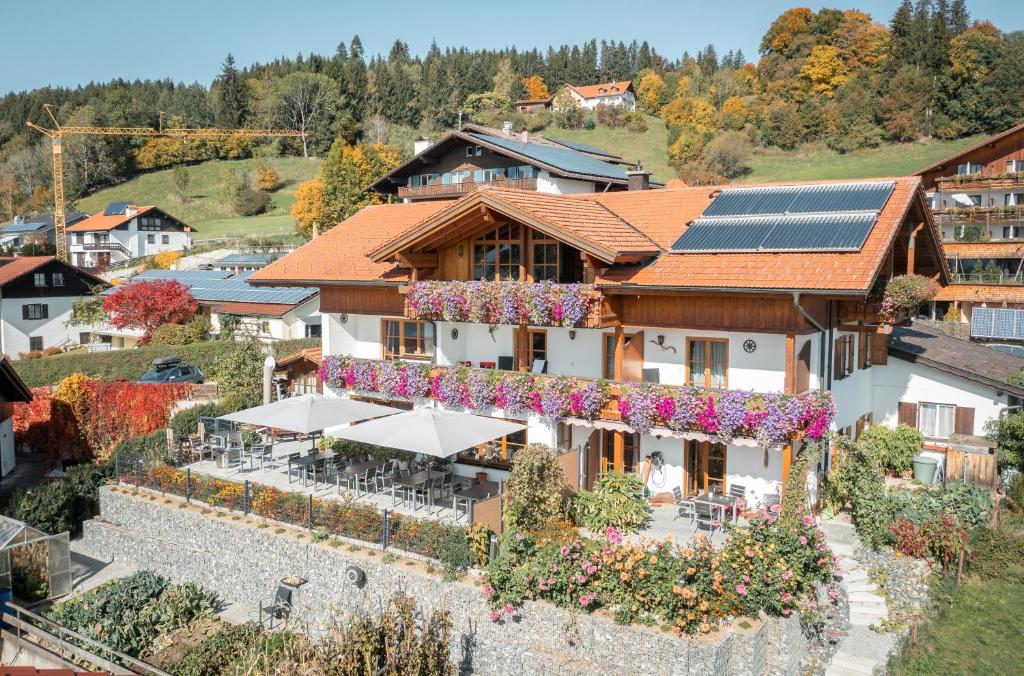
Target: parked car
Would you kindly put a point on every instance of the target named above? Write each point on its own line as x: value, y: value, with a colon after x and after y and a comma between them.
x: 172, y: 370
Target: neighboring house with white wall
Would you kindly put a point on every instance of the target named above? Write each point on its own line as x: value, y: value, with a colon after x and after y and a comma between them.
x: 476, y: 156
x: 589, y: 97
x: 22, y: 230
x: 12, y: 390
x: 124, y: 232
x: 687, y: 300
x: 943, y: 385
x: 36, y: 297
x: 228, y: 299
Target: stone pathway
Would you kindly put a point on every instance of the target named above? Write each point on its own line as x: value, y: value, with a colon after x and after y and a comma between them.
x: 862, y: 651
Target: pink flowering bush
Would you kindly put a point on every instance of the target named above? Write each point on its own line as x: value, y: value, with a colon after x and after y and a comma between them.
x: 905, y: 292
x: 692, y: 589
x: 773, y: 419
x: 537, y: 304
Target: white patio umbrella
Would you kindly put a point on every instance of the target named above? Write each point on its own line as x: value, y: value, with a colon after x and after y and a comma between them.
x: 309, y: 413
x: 431, y: 431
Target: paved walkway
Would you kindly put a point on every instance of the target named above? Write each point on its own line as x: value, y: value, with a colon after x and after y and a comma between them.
x: 862, y: 651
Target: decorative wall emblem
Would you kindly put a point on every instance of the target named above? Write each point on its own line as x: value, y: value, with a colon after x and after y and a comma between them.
x: 749, y: 345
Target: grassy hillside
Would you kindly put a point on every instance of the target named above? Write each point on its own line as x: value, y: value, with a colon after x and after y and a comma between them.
x: 816, y: 162
x: 206, y: 209
x: 648, y: 147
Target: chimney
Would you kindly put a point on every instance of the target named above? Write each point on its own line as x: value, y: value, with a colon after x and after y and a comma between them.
x: 420, y: 145
x: 130, y: 210
x: 506, y: 128
x: 19, y: 219
x: 524, y: 136
x: 638, y: 178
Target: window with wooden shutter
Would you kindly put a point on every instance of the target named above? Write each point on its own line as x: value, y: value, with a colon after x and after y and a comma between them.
x: 907, y: 414
x: 849, y: 354
x: 862, y: 350
x: 964, y: 420
x: 839, y: 359
x: 879, y: 349
x: 802, y: 379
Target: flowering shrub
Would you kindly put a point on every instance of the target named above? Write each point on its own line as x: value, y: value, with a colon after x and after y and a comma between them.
x: 766, y: 566
x: 771, y: 418
x: 942, y: 539
x: 906, y: 292
x: 537, y: 304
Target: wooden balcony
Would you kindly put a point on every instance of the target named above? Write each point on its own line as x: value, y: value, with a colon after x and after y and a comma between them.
x: 442, y: 191
x: 954, y: 184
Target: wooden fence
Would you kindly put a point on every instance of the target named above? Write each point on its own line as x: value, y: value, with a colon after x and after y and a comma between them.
x: 980, y: 469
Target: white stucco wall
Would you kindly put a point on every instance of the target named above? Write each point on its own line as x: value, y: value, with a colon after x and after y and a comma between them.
x: 53, y: 330
x: 852, y: 394
x: 562, y: 186
x: 914, y: 383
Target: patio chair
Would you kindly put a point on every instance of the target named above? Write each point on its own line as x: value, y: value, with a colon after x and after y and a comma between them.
x: 739, y: 492
x: 442, y: 489
x: 400, y: 491
x: 319, y: 467
x: 684, y: 507
x: 335, y: 466
x: 384, y: 477
x: 288, y: 462
x: 261, y: 452
x: 772, y: 499
x: 425, y: 492
x: 365, y: 481
x: 705, y: 514
x: 276, y: 607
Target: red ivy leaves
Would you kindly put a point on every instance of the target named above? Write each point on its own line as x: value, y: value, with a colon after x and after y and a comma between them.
x: 147, y: 304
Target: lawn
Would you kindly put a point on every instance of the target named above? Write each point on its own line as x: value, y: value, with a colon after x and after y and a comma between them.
x: 981, y: 633
x: 817, y: 162
x: 649, y: 147
x: 206, y: 209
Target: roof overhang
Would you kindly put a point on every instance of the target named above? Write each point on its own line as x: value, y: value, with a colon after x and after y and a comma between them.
x: 899, y: 352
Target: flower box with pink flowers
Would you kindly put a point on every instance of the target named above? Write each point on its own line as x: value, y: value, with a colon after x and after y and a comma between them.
x: 514, y: 303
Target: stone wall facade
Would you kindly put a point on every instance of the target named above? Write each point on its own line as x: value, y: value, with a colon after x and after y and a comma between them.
x: 244, y: 563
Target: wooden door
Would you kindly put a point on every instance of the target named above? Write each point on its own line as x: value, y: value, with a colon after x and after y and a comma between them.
x: 704, y: 468
x: 633, y: 358
x: 691, y: 469
x: 592, y: 461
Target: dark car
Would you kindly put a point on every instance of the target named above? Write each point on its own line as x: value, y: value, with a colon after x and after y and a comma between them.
x: 172, y: 370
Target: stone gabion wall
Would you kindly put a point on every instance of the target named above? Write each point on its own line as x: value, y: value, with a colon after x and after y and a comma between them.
x: 244, y: 564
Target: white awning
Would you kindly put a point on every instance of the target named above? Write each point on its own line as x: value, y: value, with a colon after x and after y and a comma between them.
x: 658, y: 431
x: 309, y: 413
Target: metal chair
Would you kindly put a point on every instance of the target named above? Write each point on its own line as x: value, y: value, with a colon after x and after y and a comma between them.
x: 772, y: 499
x: 384, y: 477
x: 365, y: 480
x: 444, y: 488
x: 425, y: 492
x: 684, y: 507
x: 705, y: 514
x: 288, y: 462
x: 739, y: 492
x: 276, y: 607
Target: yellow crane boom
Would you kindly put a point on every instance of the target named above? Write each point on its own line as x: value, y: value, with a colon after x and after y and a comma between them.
x: 58, y: 133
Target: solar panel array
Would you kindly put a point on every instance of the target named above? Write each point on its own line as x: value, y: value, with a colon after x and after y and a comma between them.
x: 12, y: 227
x: 224, y: 287
x: 987, y: 322
x: 829, y: 217
x: 583, y: 147
x: 566, y: 159
x: 116, y: 208
x: 234, y: 259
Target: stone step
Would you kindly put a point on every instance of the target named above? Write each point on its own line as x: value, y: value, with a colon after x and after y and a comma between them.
x: 866, y: 596
x: 842, y: 549
x: 863, y: 619
x: 855, y: 576
x: 859, y: 586
x: 868, y: 607
x: 849, y: 565
x: 844, y: 664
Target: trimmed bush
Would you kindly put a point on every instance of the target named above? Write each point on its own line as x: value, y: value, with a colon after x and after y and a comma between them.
x: 186, y: 422
x: 616, y: 502
x: 894, y: 448
x: 62, y: 504
x: 999, y: 552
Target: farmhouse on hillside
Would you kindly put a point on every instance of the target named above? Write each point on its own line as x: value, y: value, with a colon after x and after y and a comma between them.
x: 589, y: 97
x: 125, y: 232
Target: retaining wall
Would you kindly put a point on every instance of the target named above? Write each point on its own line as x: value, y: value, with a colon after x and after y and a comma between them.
x: 244, y: 563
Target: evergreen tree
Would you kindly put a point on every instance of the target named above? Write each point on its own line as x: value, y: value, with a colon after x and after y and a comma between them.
x: 357, y: 84
x: 902, y: 49
x: 919, y: 29
x: 959, y: 19
x: 231, y: 102
x: 938, y: 38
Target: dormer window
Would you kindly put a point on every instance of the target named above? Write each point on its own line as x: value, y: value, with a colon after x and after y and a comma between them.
x: 474, y: 151
x: 968, y: 168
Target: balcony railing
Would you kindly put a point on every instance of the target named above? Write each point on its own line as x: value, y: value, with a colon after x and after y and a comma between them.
x: 106, y: 246
x: 1004, y: 278
x: 719, y: 415
x: 456, y: 189
x: 964, y: 182
x: 509, y: 303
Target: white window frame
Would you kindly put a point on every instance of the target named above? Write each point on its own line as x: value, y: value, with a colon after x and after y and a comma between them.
x: 935, y: 429
x: 40, y: 279
x: 57, y: 279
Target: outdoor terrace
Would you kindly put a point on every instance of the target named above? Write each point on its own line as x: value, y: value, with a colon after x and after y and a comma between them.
x: 441, y: 191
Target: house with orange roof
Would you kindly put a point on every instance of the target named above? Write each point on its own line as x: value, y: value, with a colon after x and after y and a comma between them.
x: 977, y: 198
x: 123, y: 232
x: 604, y: 94
x: 640, y: 330
x: 37, y: 294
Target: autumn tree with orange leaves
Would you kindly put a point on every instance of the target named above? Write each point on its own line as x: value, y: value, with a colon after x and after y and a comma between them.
x: 149, y: 303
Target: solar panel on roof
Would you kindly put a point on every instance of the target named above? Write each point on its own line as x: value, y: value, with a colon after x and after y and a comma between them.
x: 997, y: 323
x: 115, y: 208
x: 801, y: 199
x: 222, y: 286
x: 817, y: 232
x: 566, y: 159
x: 583, y: 147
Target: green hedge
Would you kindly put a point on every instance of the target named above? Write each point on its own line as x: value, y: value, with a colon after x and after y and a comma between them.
x: 62, y: 504
x: 130, y: 364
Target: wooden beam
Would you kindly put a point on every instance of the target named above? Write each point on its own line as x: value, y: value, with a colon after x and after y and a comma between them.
x: 787, y: 462
x: 524, y: 269
x: 420, y: 259
x: 620, y: 345
x: 790, y: 378
x: 523, y: 352
x: 619, y: 450
x: 912, y: 247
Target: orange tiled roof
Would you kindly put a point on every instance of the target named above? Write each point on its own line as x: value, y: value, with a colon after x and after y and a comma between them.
x: 981, y: 293
x: 983, y: 249
x: 339, y: 255
x: 819, y: 271
x: 13, y: 267
x: 633, y: 221
x: 313, y: 354
x: 593, y: 91
x: 101, y: 221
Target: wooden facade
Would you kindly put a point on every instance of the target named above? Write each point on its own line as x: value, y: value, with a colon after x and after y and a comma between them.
x: 993, y: 154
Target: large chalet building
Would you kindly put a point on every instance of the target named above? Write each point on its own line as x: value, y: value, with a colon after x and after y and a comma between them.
x: 125, y: 232
x: 765, y: 289
x: 476, y: 156
x: 977, y: 197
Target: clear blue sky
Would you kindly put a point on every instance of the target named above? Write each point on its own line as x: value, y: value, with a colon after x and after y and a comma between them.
x: 186, y: 40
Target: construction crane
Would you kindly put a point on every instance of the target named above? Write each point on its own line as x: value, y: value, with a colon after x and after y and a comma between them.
x: 58, y: 133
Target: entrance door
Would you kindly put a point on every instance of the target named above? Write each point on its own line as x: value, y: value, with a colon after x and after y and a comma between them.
x: 619, y: 451
x: 704, y: 468
x: 633, y: 358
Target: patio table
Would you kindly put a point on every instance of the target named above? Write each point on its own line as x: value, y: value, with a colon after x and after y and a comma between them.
x: 720, y: 502
x: 474, y: 494
x: 305, y: 462
x: 414, y: 481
